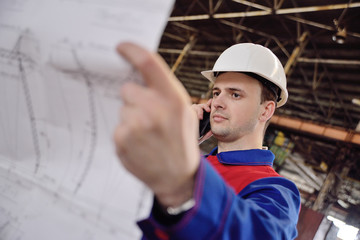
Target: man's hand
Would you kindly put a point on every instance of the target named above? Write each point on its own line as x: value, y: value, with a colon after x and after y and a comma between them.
x: 199, y: 109
x: 156, y: 139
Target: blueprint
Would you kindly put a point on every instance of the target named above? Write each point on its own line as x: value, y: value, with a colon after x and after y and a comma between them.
x: 59, y: 105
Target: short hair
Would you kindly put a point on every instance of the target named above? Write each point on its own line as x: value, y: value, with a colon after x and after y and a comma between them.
x: 267, y: 95
x: 269, y: 92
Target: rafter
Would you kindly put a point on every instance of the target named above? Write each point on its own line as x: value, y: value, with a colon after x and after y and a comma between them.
x: 194, y: 30
x: 276, y: 40
x: 255, y: 5
x: 329, y: 61
x: 218, y: 4
x: 319, y: 25
x: 300, y: 59
x: 296, y: 53
x: 183, y: 53
x: 264, y: 13
x: 175, y: 37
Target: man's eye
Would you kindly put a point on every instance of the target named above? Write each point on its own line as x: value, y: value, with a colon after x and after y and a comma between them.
x: 216, y: 94
x: 236, y: 95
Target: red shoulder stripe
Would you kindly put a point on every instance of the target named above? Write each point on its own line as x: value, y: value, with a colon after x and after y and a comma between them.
x: 239, y: 176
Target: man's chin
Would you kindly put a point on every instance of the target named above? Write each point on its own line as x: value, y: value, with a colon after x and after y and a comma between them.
x: 220, y: 135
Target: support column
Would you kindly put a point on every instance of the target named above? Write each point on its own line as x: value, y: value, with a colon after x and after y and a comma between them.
x: 295, y: 54
x: 183, y: 53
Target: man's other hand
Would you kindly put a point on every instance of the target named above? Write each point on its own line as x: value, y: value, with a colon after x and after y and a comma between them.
x: 156, y: 139
x: 199, y: 110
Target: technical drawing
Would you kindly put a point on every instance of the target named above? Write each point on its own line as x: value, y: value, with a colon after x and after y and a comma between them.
x: 59, y: 98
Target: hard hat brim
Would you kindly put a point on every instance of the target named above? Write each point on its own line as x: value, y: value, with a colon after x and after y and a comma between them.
x: 209, y: 74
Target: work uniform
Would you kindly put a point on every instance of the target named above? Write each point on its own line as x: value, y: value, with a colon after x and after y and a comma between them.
x: 238, y: 196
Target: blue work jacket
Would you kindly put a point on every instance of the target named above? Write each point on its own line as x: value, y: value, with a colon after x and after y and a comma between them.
x: 238, y: 196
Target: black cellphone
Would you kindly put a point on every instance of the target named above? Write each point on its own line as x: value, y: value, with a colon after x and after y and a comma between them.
x: 204, y: 125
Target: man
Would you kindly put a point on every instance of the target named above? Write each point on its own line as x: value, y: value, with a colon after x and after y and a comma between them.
x: 233, y: 193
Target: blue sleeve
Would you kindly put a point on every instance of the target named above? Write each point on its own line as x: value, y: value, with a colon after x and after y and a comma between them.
x: 267, y: 208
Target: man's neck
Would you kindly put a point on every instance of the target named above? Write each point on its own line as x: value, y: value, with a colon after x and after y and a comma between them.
x: 240, y: 144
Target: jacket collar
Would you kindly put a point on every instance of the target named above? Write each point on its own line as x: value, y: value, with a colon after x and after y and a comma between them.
x: 251, y: 157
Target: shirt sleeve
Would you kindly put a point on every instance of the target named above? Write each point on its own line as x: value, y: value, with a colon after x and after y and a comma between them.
x: 267, y: 208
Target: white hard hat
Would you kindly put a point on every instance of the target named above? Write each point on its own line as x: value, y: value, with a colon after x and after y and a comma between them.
x: 251, y: 58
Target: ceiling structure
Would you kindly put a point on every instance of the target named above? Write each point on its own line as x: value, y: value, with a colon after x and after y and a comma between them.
x: 318, y: 43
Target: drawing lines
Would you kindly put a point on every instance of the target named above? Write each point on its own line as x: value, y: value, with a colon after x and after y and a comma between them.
x: 93, y: 122
x: 29, y: 104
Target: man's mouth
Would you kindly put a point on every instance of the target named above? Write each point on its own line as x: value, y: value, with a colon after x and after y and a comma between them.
x: 217, y: 117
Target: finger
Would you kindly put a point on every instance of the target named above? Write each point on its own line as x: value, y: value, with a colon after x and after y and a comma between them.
x: 133, y: 123
x: 155, y: 71
x: 143, y: 98
x: 208, y: 103
x: 135, y: 119
x: 198, y: 110
x: 120, y: 135
x: 135, y: 94
x: 141, y: 102
x: 206, y: 108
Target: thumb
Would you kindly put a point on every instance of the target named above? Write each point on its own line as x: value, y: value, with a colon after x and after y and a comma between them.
x: 155, y: 71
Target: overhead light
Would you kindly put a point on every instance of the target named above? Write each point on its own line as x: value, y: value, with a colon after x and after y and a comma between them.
x: 356, y: 101
x: 340, y: 36
x: 343, y: 204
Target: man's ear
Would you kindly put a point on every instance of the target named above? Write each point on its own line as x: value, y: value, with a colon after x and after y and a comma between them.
x: 267, y: 110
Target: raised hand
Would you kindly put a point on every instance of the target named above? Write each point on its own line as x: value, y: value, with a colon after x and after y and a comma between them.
x: 156, y: 139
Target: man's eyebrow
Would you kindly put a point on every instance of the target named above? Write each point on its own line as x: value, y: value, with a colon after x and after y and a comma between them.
x: 236, y: 89
x: 230, y: 89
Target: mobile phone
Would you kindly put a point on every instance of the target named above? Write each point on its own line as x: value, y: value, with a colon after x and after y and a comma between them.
x: 204, y: 124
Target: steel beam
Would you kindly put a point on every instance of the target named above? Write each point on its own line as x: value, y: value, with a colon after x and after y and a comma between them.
x: 300, y: 59
x: 319, y: 25
x: 295, y: 54
x: 185, y: 50
x: 255, y: 5
x: 329, y: 61
x: 265, y: 13
x: 243, y: 28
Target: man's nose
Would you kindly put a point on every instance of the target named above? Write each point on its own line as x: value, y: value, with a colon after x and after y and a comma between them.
x: 218, y: 101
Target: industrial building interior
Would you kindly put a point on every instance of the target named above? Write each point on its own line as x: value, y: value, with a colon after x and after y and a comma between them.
x: 316, y: 135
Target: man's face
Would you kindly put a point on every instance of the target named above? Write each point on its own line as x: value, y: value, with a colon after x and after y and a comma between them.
x: 235, y: 108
